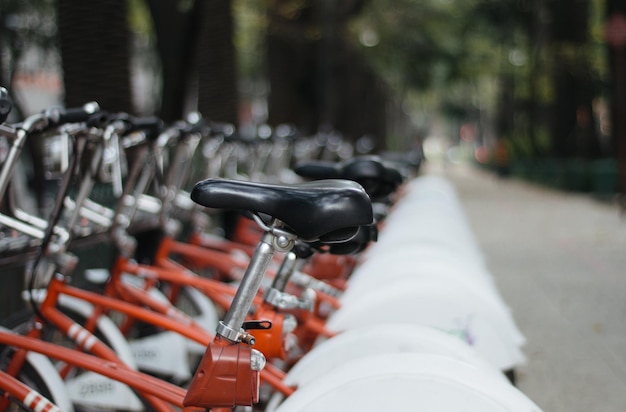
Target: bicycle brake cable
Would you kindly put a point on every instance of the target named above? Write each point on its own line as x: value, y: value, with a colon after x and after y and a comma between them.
x: 55, y: 215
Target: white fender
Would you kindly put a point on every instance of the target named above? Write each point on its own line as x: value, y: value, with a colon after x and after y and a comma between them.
x: 48, y: 373
x: 52, y: 380
x: 414, y: 381
x: 104, y: 325
x: 168, y: 352
x: 90, y: 388
x: 96, y: 391
x: 205, y: 312
x: 207, y: 317
x: 164, y: 353
x: 433, y: 303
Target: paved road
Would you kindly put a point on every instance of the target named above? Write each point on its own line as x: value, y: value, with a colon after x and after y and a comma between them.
x: 559, y: 260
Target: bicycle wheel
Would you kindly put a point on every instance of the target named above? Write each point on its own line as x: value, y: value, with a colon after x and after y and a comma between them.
x: 165, y: 353
x: 39, y: 374
x: 106, y: 331
x: 87, y: 391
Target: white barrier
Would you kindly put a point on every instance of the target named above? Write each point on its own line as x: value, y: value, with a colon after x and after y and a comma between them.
x: 426, y: 272
x: 414, y: 381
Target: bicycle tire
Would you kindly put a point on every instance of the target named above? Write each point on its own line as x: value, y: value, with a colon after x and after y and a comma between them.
x: 39, y: 374
x: 106, y: 331
x: 166, y: 354
x: 19, y: 322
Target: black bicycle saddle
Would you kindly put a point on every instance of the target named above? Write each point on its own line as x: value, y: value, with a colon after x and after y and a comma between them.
x: 326, y: 210
x: 364, y: 236
x: 377, y: 179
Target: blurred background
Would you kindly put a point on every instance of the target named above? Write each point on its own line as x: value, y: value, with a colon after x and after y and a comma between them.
x: 533, y: 88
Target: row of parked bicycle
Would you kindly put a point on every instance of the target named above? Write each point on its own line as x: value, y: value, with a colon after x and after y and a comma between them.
x: 280, y: 274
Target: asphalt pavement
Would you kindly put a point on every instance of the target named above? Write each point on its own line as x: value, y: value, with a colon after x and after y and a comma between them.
x: 559, y: 260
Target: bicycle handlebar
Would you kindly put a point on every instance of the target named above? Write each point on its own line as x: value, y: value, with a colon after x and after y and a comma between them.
x: 124, y: 123
x: 60, y: 116
x: 5, y: 104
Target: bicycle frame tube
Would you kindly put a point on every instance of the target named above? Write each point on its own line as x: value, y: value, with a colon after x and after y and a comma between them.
x: 85, y: 340
x: 200, y: 256
x: 23, y: 394
x: 153, y: 388
x: 11, y: 160
x: 48, y: 308
x: 219, y: 292
x: 198, y: 238
x: 58, y: 286
x: 178, y: 276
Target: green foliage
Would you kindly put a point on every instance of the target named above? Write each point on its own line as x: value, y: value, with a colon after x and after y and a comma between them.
x: 250, y: 25
x: 430, y: 43
x: 139, y: 18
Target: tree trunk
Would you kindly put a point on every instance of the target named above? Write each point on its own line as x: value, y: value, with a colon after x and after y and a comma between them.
x: 616, y: 13
x: 317, y: 80
x: 176, y: 34
x: 94, y: 40
x: 217, y: 68
x: 572, y: 127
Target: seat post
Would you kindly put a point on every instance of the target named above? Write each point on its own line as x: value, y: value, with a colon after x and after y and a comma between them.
x: 285, y: 271
x: 273, y: 239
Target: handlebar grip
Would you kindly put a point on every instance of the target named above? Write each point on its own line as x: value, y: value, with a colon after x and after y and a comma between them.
x: 195, y: 123
x: 73, y: 115
x: 151, y: 124
x: 226, y: 129
x: 126, y: 123
x: 5, y: 104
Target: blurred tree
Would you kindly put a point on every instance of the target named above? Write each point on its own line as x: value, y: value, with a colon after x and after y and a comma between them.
x: 217, y: 66
x: 292, y: 65
x: 196, y: 50
x: 615, y: 33
x: 517, y: 30
x: 176, y: 26
x: 317, y: 78
x: 94, y: 40
x: 541, y: 53
x: 573, y: 131
x: 25, y: 25
x: 449, y: 49
x: 415, y: 43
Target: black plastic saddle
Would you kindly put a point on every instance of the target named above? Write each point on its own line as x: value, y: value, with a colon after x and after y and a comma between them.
x: 377, y: 179
x: 364, y: 236
x: 324, y: 210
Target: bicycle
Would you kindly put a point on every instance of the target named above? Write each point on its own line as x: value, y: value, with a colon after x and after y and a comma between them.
x: 236, y: 311
x: 18, y: 135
